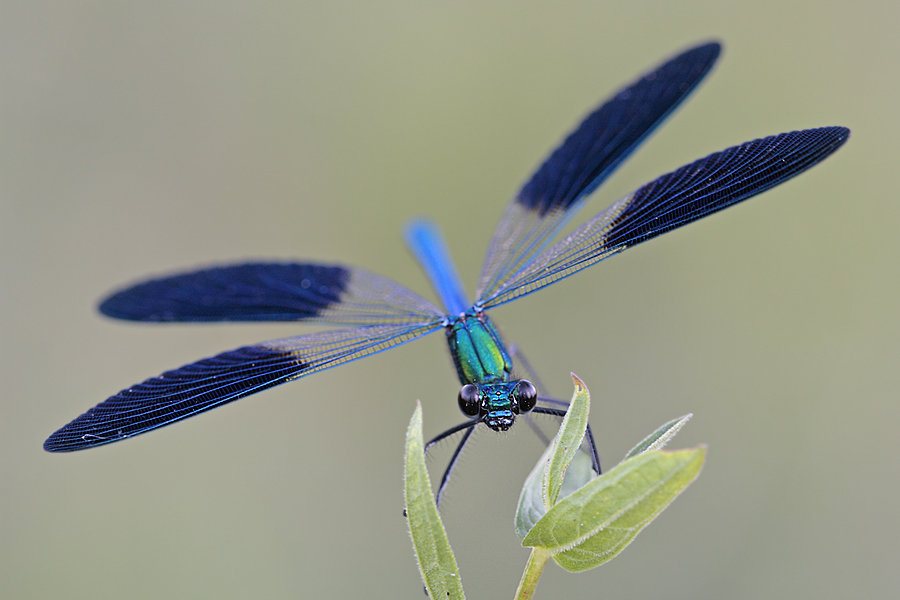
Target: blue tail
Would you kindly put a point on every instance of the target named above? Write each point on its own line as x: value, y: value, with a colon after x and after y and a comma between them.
x: 427, y: 244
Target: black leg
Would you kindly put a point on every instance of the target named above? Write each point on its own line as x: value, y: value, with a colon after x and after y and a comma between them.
x: 519, y: 357
x: 538, y: 432
x: 561, y: 412
x: 557, y: 408
x: 456, y: 428
x: 469, y: 426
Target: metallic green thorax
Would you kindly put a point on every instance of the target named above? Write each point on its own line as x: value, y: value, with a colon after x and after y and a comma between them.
x: 477, y: 350
x: 481, y: 359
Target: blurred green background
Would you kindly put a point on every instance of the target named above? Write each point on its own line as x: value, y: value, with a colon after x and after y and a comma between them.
x: 141, y: 140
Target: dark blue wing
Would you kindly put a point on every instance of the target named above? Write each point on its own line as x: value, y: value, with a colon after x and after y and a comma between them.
x: 212, y: 382
x: 690, y: 193
x: 584, y: 160
x: 271, y: 292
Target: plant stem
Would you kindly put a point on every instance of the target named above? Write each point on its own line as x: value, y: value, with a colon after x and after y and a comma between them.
x: 532, y: 573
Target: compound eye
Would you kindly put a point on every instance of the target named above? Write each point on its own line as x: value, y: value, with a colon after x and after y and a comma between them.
x: 526, y: 396
x: 470, y: 400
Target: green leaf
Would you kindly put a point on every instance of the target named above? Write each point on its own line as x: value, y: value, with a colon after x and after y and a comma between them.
x: 437, y: 564
x: 531, y: 499
x: 659, y: 438
x: 567, y: 442
x: 578, y: 472
x: 531, y: 502
x: 594, y: 524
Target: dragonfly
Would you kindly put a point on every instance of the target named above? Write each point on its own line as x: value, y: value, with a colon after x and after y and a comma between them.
x: 377, y: 313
